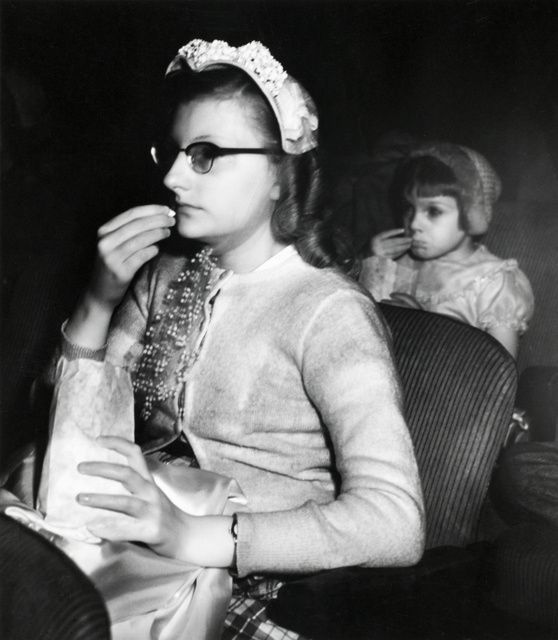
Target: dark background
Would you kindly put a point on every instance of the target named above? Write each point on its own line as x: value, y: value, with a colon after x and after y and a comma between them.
x: 78, y: 87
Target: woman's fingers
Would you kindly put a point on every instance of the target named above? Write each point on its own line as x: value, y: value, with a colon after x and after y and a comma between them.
x: 131, y: 451
x: 119, y: 528
x: 129, y: 505
x: 145, y: 515
x: 114, y: 240
x: 141, y: 241
x: 134, y: 262
x: 136, y: 213
x: 124, y: 260
x: 122, y: 251
x: 124, y: 474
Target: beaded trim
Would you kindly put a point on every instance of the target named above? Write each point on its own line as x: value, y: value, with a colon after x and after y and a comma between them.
x: 171, y: 330
x: 253, y: 57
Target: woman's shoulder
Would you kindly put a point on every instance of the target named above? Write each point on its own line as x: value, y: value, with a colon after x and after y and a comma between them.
x: 288, y: 274
x: 305, y: 292
x: 320, y: 283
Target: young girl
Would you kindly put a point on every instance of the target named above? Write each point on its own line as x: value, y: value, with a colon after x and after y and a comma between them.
x: 444, y: 194
x: 253, y: 349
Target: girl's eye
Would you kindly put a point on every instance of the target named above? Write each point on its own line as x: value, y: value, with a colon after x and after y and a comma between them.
x: 434, y: 212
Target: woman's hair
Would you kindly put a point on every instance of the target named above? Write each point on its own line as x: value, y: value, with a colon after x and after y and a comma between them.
x: 300, y: 216
x: 425, y: 177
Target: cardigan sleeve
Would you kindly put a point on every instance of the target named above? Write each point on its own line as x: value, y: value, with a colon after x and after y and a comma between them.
x: 124, y: 339
x: 124, y: 345
x: 377, y: 518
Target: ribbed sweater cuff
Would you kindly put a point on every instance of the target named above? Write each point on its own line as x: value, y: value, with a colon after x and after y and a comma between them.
x: 73, y: 351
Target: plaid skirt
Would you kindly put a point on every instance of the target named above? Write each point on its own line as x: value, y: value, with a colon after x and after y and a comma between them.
x: 246, y: 618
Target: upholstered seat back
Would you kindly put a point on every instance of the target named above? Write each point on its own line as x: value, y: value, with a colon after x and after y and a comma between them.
x: 459, y: 387
x: 528, y: 232
x: 43, y: 594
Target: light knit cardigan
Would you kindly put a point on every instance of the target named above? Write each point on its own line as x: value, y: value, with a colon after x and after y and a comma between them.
x: 294, y: 395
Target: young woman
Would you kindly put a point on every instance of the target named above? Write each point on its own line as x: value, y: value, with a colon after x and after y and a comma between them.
x: 254, y: 350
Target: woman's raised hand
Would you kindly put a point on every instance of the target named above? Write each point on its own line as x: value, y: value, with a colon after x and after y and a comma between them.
x: 125, y: 244
x: 390, y: 244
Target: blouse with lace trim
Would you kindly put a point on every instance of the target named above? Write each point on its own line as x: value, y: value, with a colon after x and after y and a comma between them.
x: 482, y: 290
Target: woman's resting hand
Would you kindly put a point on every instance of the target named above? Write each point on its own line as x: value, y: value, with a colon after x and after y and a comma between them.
x: 390, y: 244
x: 148, y: 516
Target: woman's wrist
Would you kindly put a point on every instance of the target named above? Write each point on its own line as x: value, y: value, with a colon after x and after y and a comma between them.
x: 233, y: 569
x: 88, y: 326
x: 206, y: 541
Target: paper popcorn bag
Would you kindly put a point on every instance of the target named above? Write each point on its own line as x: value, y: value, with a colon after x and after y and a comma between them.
x: 147, y: 595
x: 90, y: 399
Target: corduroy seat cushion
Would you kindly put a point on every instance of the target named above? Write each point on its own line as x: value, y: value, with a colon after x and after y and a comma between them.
x: 528, y: 232
x: 43, y: 594
x: 459, y: 386
x: 525, y: 574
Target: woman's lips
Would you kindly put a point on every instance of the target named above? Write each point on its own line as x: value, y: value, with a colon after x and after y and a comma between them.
x: 186, y: 208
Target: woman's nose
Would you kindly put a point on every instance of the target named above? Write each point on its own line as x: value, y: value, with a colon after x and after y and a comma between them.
x: 180, y: 174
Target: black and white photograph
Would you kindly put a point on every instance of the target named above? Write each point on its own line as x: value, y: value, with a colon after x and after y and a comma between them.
x: 279, y: 320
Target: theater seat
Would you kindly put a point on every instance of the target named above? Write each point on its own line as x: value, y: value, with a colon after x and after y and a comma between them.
x: 43, y: 594
x: 459, y: 386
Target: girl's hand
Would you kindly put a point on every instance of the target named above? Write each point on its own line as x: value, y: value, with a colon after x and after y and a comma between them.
x: 125, y: 244
x: 148, y: 516
x: 390, y: 244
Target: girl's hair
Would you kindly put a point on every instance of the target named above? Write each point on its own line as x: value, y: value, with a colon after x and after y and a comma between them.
x: 300, y: 216
x: 425, y: 177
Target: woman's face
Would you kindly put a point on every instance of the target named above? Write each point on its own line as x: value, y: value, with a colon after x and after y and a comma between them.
x: 229, y: 207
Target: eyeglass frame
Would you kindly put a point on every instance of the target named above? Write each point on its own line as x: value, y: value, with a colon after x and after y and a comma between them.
x: 217, y: 151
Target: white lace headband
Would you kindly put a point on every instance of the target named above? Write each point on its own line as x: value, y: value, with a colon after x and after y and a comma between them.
x: 293, y: 107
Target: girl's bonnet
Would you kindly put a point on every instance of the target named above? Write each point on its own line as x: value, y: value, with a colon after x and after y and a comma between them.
x: 293, y: 107
x: 479, y: 182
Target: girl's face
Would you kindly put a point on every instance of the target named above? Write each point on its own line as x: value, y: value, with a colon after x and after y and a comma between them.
x: 433, y: 225
x: 229, y: 207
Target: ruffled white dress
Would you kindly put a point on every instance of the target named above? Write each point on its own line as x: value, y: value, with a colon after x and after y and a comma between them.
x: 482, y: 290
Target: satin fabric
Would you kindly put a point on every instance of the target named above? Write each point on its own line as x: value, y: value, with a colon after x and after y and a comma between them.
x: 149, y: 596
